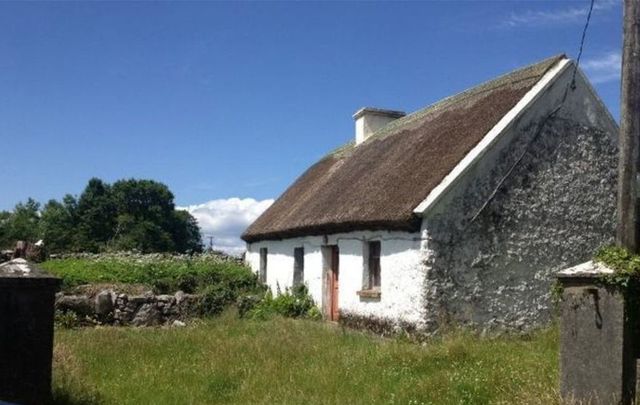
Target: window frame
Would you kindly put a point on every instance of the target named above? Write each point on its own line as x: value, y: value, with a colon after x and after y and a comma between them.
x: 298, y: 266
x: 264, y: 254
x: 372, y: 270
x: 374, y: 281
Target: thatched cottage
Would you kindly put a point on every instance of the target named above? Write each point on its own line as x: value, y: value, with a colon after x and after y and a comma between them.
x: 457, y: 213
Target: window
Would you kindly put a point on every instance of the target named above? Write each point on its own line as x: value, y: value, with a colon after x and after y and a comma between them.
x: 298, y: 266
x: 263, y: 265
x: 374, y: 265
x: 371, y: 271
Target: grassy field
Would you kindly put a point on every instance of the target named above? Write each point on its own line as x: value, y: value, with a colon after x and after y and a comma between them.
x: 233, y: 361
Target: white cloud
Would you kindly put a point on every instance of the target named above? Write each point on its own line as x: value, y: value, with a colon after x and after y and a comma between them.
x: 536, y: 18
x: 604, y: 68
x: 569, y: 15
x: 226, y: 219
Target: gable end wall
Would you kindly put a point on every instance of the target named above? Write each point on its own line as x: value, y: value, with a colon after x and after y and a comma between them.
x: 554, y: 210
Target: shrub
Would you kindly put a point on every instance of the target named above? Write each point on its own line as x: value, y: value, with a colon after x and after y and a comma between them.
x: 162, y: 285
x: 314, y: 313
x: 246, y: 304
x: 164, y: 273
x: 292, y: 303
x: 188, y: 283
x: 66, y: 319
x: 214, y: 299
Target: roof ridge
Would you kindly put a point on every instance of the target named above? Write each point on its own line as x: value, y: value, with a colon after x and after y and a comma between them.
x: 485, y: 86
x: 482, y: 87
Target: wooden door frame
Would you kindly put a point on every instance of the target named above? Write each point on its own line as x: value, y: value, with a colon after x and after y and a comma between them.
x: 328, y: 281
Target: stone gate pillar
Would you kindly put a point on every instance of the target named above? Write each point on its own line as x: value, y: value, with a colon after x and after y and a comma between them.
x: 27, y: 297
x: 597, y: 354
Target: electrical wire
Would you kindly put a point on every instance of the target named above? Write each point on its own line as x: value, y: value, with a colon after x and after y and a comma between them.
x: 571, y: 86
x: 582, y: 40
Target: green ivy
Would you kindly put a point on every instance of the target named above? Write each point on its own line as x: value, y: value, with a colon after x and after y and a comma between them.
x: 625, y: 264
x: 556, y: 293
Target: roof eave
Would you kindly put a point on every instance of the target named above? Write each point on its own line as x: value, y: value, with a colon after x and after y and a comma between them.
x: 403, y: 225
x: 491, y: 137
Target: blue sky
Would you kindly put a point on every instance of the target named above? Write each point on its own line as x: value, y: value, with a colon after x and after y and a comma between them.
x: 229, y: 101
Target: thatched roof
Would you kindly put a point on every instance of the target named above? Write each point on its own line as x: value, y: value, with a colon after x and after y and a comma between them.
x: 377, y: 184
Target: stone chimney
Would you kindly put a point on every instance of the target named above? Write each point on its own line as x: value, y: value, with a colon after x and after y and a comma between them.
x: 369, y: 120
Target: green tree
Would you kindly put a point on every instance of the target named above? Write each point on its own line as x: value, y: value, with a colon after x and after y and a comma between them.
x: 147, y: 219
x: 142, y: 235
x: 130, y: 214
x: 5, y: 241
x: 96, y: 216
x: 186, y: 233
x: 58, y: 224
x: 144, y: 200
x: 24, y: 222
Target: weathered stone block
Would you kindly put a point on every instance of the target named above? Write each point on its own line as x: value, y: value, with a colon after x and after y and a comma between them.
x: 135, y: 300
x: 597, y: 358
x: 165, y: 298
x: 147, y: 315
x: 179, y: 296
x: 79, y: 304
x: 104, y: 303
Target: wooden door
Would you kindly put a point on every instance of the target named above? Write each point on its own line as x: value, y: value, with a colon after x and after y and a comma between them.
x: 334, y: 284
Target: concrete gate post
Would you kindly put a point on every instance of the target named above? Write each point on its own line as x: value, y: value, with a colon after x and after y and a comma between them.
x: 27, y: 297
x: 597, y: 353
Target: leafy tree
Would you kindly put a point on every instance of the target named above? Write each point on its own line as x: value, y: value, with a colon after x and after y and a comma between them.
x: 58, y: 224
x: 5, y: 240
x: 96, y: 216
x: 145, y: 215
x: 143, y: 236
x: 144, y: 200
x: 186, y: 233
x: 23, y: 223
x: 130, y: 214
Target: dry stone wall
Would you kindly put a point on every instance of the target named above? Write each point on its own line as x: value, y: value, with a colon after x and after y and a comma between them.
x: 111, y: 307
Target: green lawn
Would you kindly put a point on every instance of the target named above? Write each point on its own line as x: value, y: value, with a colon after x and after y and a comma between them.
x: 230, y: 360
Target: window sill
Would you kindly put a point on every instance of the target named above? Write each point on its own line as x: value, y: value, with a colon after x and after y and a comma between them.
x: 369, y: 293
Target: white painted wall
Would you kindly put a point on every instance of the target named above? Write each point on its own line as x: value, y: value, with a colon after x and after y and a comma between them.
x: 401, y: 262
x: 280, y: 263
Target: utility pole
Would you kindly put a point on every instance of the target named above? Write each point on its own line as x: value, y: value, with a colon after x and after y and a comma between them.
x: 629, y: 141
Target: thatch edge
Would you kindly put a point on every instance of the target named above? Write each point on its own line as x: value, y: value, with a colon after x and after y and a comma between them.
x: 410, y: 221
x: 411, y: 226
x: 493, y: 135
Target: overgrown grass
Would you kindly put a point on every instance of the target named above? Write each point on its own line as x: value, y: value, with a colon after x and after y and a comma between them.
x: 164, y: 273
x: 286, y: 361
